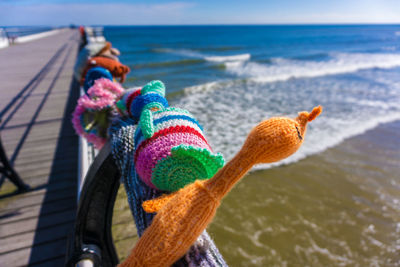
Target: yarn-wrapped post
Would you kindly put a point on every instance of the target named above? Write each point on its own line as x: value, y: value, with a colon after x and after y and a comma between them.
x: 202, y: 251
x: 183, y: 217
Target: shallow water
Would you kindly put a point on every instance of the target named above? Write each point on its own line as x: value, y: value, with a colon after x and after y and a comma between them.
x: 338, y: 208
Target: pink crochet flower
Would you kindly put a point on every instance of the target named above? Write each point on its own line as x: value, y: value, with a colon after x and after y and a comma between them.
x: 97, y: 102
x: 91, y: 116
x: 104, y: 88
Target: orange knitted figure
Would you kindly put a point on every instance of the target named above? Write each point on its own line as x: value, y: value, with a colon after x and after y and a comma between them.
x: 183, y: 216
x: 117, y: 69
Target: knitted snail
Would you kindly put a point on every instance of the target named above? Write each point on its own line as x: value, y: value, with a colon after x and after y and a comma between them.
x: 183, y: 215
x: 171, y: 150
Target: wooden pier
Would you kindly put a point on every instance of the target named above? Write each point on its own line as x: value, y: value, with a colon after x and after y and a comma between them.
x: 37, y: 97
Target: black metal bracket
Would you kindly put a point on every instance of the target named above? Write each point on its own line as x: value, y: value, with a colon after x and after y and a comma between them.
x: 8, y: 171
x: 92, y: 239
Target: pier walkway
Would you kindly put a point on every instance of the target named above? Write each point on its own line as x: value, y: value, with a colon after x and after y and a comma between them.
x: 37, y: 96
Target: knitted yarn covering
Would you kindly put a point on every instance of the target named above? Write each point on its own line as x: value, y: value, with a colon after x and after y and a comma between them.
x: 123, y: 105
x: 203, y: 252
x: 176, y: 153
x: 93, y: 74
x: 182, y: 217
x: 91, y: 117
x: 117, y: 69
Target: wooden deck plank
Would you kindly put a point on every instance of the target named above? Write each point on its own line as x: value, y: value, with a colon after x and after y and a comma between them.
x: 29, y: 224
x: 24, y: 213
x: 37, y: 199
x: 38, y: 96
x: 40, y: 236
x: 52, y: 252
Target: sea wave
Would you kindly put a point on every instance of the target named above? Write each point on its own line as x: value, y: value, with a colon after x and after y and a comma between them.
x: 207, y: 57
x: 324, y: 141
x: 284, y: 69
x: 172, y: 63
x: 228, y: 109
x: 240, y: 57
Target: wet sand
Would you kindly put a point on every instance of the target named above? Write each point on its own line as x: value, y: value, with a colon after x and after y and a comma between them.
x: 337, y: 208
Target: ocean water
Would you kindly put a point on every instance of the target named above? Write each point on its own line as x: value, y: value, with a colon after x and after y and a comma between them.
x: 232, y: 77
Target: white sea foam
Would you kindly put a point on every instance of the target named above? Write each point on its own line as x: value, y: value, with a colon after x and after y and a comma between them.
x: 229, y: 109
x: 207, y: 57
x: 240, y: 57
x: 284, y: 69
x: 333, y: 137
x: 182, y: 52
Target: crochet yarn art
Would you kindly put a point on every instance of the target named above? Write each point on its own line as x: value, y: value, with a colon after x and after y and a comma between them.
x: 171, y: 150
x: 117, y: 69
x: 91, y: 117
x: 183, y: 216
x: 203, y: 251
x: 94, y: 74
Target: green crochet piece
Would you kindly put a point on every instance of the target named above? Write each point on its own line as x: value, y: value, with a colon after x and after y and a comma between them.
x: 184, y: 166
x: 146, y: 123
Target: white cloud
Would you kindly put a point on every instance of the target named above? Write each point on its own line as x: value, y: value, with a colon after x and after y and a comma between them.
x: 104, y: 13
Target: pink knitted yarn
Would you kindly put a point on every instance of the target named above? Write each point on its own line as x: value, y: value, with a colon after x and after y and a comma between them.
x: 76, y: 119
x: 105, y: 88
x: 77, y: 123
x: 159, y: 149
x: 99, y: 101
x: 96, y: 103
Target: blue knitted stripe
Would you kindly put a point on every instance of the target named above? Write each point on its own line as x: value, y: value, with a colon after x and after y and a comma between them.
x: 139, y: 135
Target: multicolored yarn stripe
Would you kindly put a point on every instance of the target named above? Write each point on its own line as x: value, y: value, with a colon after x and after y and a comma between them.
x: 171, y: 150
x: 203, y: 252
x: 177, y: 153
x: 123, y: 105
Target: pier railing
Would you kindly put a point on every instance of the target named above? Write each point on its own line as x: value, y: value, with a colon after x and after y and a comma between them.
x: 91, y: 243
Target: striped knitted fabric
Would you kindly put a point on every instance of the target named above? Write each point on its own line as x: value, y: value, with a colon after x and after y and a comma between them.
x: 203, y: 252
x: 182, y: 216
x: 171, y: 150
x: 177, y: 152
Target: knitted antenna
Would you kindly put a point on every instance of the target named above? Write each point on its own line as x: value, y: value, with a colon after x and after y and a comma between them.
x: 181, y: 218
x: 202, y: 252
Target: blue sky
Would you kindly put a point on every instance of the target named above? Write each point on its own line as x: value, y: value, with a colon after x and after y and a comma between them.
x: 164, y: 12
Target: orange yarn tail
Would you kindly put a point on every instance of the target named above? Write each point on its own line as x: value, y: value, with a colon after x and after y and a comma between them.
x: 314, y: 113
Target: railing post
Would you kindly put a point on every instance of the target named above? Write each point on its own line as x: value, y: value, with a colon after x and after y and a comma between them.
x: 8, y: 171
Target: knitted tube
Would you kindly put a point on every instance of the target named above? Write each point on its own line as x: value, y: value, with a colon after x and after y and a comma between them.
x: 182, y: 217
x: 176, y: 153
x: 202, y: 252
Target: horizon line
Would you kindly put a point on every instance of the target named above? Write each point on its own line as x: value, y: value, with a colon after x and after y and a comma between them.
x: 224, y: 24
